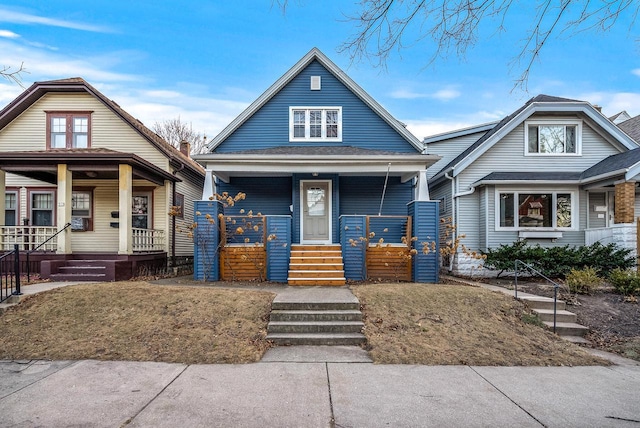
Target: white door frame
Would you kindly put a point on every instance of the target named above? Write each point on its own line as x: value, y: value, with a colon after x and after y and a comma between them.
x: 329, y: 202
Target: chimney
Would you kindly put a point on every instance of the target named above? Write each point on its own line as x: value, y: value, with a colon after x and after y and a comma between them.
x: 185, y: 148
x: 597, y: 107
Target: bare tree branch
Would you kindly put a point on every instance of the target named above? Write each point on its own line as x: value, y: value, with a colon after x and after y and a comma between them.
x: 174, y: 131
x: 14, y: 76
x: 382, y: 27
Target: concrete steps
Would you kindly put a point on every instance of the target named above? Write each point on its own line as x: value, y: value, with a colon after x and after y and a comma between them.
x: 566, y: 325
x: 81, y: 270
x: 316, y: 317
x: 311, y: 265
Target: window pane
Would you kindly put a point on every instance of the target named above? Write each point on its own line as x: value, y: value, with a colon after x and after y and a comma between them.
x: 563, y: 210
x: 10, y: 218
x: 81, y: 204
x: 315, y: 201
x: 42, y: 201
x: 58, y: 124
x: 332, y: 124
x: 315, y: 123
x: 298, y: 123
x: 10, y: 200
x: 534, y: 210
x: 551, y: 139
x: 42, y: 218
x: 533, y: 139
x: 506, y: 210
x: 571, y: 139
x: 81, y: 124
x: 58, y: 141
x: 80, y: 141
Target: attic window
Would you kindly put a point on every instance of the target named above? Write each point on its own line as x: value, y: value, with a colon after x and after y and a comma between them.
x: 316, y: 83
x: 315, y: 124
x: 553, y: 137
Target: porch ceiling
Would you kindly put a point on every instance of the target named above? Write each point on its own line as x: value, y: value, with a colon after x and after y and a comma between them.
x: 311, y: 160
x: 98, y: 164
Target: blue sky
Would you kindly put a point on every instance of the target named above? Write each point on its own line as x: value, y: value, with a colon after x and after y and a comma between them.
x: 205, y: 61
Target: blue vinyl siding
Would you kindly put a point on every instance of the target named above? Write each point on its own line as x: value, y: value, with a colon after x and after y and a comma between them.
x: 279, y: 248
x: 269, y: 126
x: 265, y: 195
x: 425, y: 227
x: 362, y: 195
x: 352, y: 228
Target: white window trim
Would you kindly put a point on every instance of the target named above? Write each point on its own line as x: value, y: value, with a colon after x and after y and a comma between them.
x: 516, y: 192
x: 324, y: 137
x: 553, y: 122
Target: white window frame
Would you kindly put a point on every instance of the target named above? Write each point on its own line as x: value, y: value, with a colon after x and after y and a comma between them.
x: 307, y: 132
x: 516, y: 193
x: 553, y: 122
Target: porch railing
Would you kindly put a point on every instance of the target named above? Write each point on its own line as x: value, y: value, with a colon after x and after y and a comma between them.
x: 603, y: 235
x: 243, y: 229
x: 147, y: 240
x: 29, y: 237
x: 389, y: 229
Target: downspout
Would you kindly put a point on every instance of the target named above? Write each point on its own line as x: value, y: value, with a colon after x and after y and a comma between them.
x: 454, y: 203
x: 173, y: 217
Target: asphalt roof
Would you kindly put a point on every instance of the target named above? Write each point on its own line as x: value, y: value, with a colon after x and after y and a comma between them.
x: 334, y: 150
x: 612, y: 163
x: 632, y: 128
x: 533, y: 176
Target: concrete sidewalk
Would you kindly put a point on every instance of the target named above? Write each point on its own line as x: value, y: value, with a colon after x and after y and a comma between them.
x: 274, y: 394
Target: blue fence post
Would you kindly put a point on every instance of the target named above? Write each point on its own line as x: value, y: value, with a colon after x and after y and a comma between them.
x: 278, y: 248
x: 426, y: 228
x: 352, y: 229
x: 206, y: 240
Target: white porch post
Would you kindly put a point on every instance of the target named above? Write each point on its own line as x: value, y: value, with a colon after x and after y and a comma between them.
x: 3, y: 188
x: 422, y: 189
x: 125, y: 179
x: 63, y: 210
x: 168, y: 230
x: 209, y: 185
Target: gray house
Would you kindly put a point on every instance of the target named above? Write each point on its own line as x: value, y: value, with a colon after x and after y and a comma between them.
x: 555, y: 172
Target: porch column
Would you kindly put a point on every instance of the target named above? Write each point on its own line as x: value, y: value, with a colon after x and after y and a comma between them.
x: 125, y: 180
x: 625, y: 199
x: 422, y: 190
x: 209, y: 188
x: 63, y: 210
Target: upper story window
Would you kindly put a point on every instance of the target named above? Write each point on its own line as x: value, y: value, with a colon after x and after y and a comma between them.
x: 315, y: 124
x: 553, y: 137
x: 68, y: 130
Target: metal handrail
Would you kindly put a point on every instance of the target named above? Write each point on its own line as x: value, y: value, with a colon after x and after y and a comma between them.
x: 537, y: 272
x: 41, y: 244
x: 5, y: 278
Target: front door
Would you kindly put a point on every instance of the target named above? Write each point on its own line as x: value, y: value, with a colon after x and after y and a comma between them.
x: 141, y: 210
x: 315, y: 222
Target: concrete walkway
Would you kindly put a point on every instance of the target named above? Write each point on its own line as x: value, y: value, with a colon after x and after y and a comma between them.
x: 267, y: 394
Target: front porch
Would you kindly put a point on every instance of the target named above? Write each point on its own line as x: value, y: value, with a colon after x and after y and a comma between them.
x: 261, y: 248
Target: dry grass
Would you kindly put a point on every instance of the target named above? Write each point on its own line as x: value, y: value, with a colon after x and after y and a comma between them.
x: 140, y: 322
x: 455, y: 324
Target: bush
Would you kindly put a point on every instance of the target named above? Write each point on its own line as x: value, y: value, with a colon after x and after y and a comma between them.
x: 557, y: 262
x: 583, y: 281
x: 626, y: 282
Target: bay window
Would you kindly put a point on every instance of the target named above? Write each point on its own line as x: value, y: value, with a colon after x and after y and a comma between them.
x: 315, y: 124
x: 540, y: 210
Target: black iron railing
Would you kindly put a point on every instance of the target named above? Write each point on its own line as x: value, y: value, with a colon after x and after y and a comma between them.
x: 39, y: 246
x: 540, y: 274
x: 10, y: 274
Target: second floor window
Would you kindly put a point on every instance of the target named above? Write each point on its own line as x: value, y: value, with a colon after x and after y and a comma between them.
x: 68, y: 130
x: 552, y: 138
x: 315, y: 124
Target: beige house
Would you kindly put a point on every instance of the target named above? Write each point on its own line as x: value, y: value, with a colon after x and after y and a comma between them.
x: 88, y: 188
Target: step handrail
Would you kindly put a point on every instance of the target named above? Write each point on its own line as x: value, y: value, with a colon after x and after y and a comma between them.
x: 41, y: 244
x: 537, y: 272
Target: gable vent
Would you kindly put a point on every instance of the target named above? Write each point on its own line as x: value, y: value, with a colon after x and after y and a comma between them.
x: 315, y: 83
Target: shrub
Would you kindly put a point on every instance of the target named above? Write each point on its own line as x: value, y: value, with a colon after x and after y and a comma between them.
x: 557, y: 262
x: 582, y: 281
x: 626, y: 282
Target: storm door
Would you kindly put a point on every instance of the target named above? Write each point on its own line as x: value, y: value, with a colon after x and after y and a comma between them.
x: 316, y: 211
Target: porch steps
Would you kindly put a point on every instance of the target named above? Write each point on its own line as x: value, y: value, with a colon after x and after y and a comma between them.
x: 82, y: 270
x: 566, y: 325
x: 316, y: 321
x: 314, y: 265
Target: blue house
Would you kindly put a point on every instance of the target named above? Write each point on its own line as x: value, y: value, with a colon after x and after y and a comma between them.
x: 335, y: 188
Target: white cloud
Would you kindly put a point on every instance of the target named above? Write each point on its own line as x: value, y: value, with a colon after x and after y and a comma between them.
x: 636, y: 72
x: 445, y: 94
x: 614, y: 102
x: 9, y: 34
x: 7, y: 15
